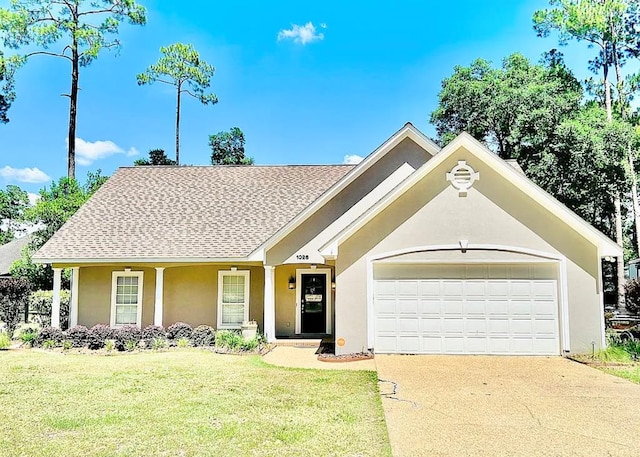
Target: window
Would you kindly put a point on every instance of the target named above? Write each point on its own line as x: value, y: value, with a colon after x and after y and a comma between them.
x: 233, y: 298
x: 126, y: 298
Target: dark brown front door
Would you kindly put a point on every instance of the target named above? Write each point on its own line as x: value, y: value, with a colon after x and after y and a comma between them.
x: 314, y: 303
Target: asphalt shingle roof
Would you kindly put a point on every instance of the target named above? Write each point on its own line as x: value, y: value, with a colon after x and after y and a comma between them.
x: 10, y: 252
x: 183, y: 212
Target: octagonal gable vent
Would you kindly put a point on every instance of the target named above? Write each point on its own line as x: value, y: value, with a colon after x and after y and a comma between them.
x: 462, y: 177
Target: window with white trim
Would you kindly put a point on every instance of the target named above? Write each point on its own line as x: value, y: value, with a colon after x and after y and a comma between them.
x: 233, y: 298
x: 126, y: 298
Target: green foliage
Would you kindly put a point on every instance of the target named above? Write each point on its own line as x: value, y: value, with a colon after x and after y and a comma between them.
x: 127, y: 337
x: 612, y: 354
x: 5, y: 341
x: 55, y: 206
x: 14, y: 296
x: 110, y: 345
x: 227, y: 148
x: 514, y: 109
x: 158, y: 343
x: 228, y: 339
x: 7, y: 93
x: 156, y: 157
x: 13, y: 202
x: 27, y: 333
x: 40, y: 303
x: 203, y: 335
x: 180, y: 66
x: 632, y: 296
x: 151, y: 332
x: 183, y: 343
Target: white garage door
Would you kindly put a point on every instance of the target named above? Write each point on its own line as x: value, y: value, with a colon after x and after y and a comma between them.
x: 501, y: 309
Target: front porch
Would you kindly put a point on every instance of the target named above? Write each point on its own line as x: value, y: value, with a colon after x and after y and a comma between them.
x: 292, y: 303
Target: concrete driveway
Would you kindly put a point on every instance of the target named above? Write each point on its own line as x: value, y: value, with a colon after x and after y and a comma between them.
x: 506, y: 406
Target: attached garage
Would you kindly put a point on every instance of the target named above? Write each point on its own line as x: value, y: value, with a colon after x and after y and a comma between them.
x: 510, y: 309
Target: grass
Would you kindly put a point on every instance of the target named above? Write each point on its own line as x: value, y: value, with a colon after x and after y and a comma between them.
x: 631, y: 373
x: 185, y: 402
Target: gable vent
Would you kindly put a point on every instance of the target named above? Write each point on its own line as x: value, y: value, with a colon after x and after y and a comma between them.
x: 462, y: 177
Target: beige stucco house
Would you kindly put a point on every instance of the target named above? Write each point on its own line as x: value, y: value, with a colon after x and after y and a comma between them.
x: 415, y: 250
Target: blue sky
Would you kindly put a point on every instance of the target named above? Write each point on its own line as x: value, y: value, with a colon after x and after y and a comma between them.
x: 308, y: 94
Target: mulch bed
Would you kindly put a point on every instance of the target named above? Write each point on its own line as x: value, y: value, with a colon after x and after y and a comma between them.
x: 353, y: 357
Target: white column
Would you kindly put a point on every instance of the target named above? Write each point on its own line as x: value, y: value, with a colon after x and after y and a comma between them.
x: 269, y: 303
x: 158, y: 308
x: 55, y: 306
x: 73, y: 306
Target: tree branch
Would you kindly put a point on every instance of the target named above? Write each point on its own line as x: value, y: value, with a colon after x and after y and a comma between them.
x: 45, y: 53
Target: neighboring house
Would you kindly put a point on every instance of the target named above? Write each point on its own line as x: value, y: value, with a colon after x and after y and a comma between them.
x: 10, y: 252
x: 414, y: 250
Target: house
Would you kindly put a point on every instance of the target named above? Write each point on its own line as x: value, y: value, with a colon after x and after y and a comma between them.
x: 415, y: 250
x: 10, y: 252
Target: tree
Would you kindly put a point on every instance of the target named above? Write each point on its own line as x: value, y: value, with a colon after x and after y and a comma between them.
x: 73, y: 30
x: 227, y: 148
x: 514, y: 109
x: 13, y: 202
x: 601, y: 23
x: 180, y: 66
x: 532, y: 113
x: 7, y: 94
x: 55, y: 206
x: 156, y: 157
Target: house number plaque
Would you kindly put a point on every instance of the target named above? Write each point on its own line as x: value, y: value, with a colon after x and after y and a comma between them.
x: 302, y: 257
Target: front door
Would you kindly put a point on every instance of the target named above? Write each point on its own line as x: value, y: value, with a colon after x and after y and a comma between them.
x: 313, y: 303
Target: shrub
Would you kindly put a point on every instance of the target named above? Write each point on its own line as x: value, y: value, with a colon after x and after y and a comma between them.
x: 109, y: 344
x: 632, y: 296
x: 152, y: 331
x: 612, y: 354
x: 179, y: 330
x: 78, y: 336
x: 98, y: 335
x: 27, y: 333
x: 66, y: 345
x: 203, y: 335
x: 183, y: 343
x: 52, y: 334
x: 158, y: 343
x: 14, y: 298
x: 5, y: 341
x: 40, y: 303
x: 229, y: 339
x: 126, y: 337
x: 249, y: 345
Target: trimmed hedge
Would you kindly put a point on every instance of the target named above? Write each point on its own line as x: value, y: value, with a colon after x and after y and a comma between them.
x: 78, y: 335
x: 14, y: 297
x: 127, y: 337
x: 152, y: 332
x: 179, y: 330
x: 49, y: 334
x: 203, y: 335
x: 98, y: 335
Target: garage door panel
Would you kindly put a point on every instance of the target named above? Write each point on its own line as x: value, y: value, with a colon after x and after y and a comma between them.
x: 407, y: 306
x: 430, y: 307
x: 473, y: 309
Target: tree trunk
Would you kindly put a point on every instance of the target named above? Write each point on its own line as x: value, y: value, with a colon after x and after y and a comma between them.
x: 607, y: 92
x: 73, y: 104
x: 620, y: 259
x: 636, y: 203
x: 178, y: 125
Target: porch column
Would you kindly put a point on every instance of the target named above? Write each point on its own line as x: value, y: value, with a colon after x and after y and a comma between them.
x: 73, y: 305
x: 269, y: 303
x: 55, y: 306
x: 159, y: 306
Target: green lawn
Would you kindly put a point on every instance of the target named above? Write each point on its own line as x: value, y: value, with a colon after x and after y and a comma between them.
x: 631, y: 373
x: 183, y: 403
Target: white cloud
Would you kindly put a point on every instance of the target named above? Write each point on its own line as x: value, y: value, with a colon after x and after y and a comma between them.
x: 301, y: 34
x: 88, y: 152
x: 352, y: 159
x: 33, y: 198
x: 28, y: 175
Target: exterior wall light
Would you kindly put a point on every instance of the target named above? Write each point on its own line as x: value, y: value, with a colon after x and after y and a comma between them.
x: 292, y: 282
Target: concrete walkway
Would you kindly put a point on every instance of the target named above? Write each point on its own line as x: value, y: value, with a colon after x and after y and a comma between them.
x: 506, y: 406
x: 305, y: 357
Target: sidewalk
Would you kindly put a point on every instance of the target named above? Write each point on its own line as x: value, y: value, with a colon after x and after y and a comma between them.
x: 301, y: 357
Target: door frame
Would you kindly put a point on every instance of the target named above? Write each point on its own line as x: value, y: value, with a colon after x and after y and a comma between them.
x: 328, y: 292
